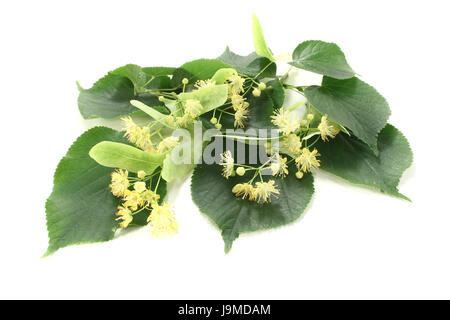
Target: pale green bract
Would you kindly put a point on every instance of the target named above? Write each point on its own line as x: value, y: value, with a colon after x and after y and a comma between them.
x: 119, y: 155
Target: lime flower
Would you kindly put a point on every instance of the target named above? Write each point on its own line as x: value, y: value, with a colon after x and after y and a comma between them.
x: 133, y: 200
x: 307, y: 160
x: 286, y: 122
x: 140, y: 186
x: 162, y: 221
x: 205, y: 83
x: 167, y: 144
x: 124, y: 214
x: 193, y: 108
x: 227, y: 163
x: 119, y: 182
x: 240, y: 118
x: 137, y: 135
x: 278, y: 165
x: 246, y: 190
x: 238, y: 102
x: 327, y: 128
x: 293, y: 143
x: 235, y: 84
x: 264, y: 190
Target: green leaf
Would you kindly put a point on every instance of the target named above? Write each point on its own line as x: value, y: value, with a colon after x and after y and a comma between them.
x: 350, y: 159
x: 134, y: 73
x: 110, y: 98
x: 258, y: 40
x: 323, y: 58
x: 158, y: 71
x: 275, y: 91
x: 253, y: 64
x: 123, y: 156
x: 81, y: 207
x: 209, y: 97
x: 201, y: 69
x: 212, y: 194
x: 353, y: 104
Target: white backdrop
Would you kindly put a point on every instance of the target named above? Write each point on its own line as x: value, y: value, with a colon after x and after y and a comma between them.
x: 351, y: 242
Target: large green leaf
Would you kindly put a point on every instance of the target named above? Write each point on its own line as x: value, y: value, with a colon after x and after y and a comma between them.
x: 252, y: 65
x: 323, y: 58
x: 110, y: 97
x: 81, y: 207
x: 258, y: 39
x: 353, y: 104
x: 212, y: 194
x: 200, y: 69
x: 119, y: 155
x: 351, y: 159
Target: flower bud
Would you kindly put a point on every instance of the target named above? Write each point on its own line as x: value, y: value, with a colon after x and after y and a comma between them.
x: 240, y: 171
x: 261, y: 86
x: 299, y: 174
x: 256, y: 92
x: 141, y: 174
x: 310, y: 117
x: 218, y: 126
x: 213, y: 120
x: 185, y: 81
x: 161, y: 98
x: 303, y: 123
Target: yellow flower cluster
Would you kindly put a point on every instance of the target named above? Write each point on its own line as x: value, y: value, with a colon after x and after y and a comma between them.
x: 240, y: 106
x: 192, y: 109
x: 260, y: 193
x: 162, y: 221
x: 285, y: 121
x: 327, y: 128
x: 227, y: 163
x: 137, y: 135
x: 278, y: 166
x: 307, y: 160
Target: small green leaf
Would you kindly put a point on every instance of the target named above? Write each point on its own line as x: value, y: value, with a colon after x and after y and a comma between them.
x: 350, y: 159
x: 210, y: 97
x: 353, y: 104
x: 275, y: 91
x: 134, y: 73
x: 212, y: 194
x: 258, y: 40
x: 323, y: 58
x: 201, y: 69
x: 119, y: 155
x: 110, y: 98
x: 81, y: 207
x: 253, y: 64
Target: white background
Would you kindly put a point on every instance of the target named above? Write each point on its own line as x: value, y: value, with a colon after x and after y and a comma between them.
x: 350, y: 243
